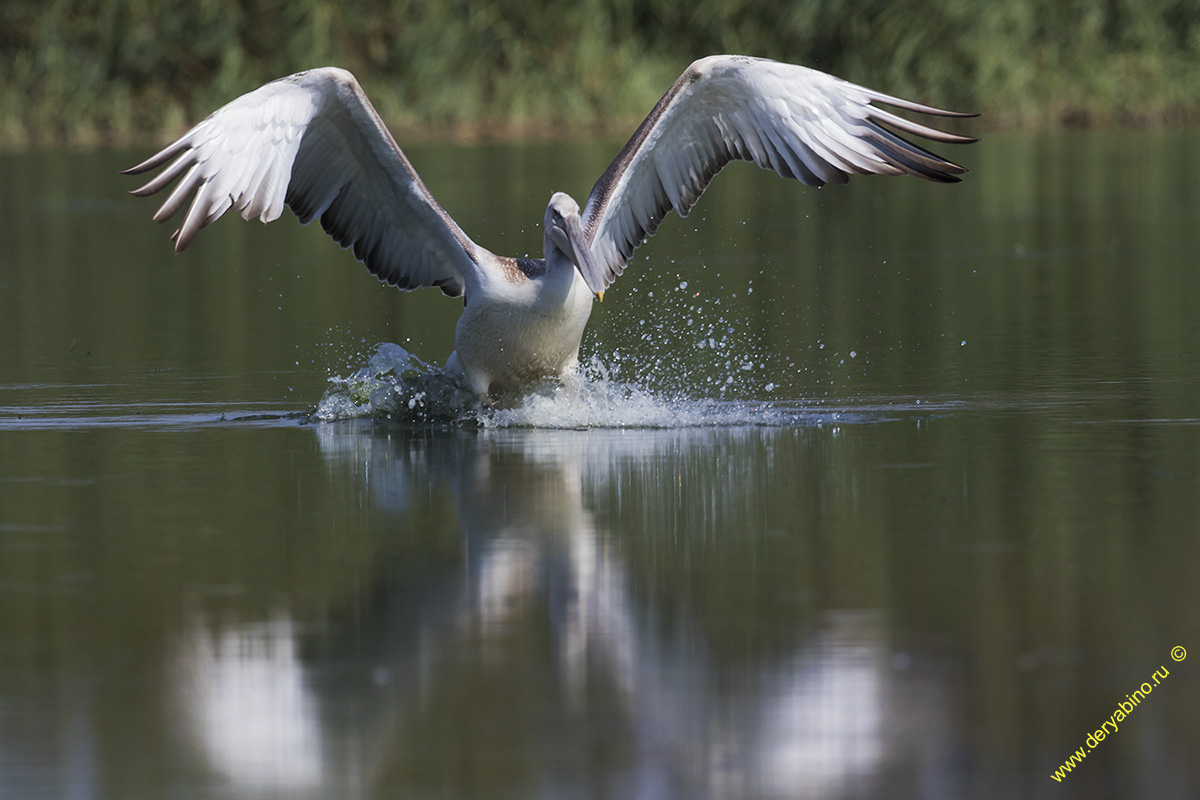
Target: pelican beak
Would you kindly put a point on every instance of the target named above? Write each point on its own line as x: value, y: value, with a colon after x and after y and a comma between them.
x: 575, y: 244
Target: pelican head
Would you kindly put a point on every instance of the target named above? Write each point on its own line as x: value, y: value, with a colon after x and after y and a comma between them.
x: 564, y: 233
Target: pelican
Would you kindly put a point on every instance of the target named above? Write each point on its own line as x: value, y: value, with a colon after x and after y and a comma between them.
x: 313, y: 142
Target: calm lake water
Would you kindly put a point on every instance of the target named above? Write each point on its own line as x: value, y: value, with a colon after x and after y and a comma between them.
x: 881, y: 491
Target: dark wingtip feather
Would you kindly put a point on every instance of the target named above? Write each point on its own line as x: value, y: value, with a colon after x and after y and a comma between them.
x: 161, y: 157
x: 920, y: 108
x: 913, y: 158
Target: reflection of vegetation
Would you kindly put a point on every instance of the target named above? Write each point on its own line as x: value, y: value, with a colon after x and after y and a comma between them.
x: 106, y: 69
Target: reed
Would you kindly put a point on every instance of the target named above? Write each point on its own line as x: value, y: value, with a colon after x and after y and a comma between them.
x: 91, y: 71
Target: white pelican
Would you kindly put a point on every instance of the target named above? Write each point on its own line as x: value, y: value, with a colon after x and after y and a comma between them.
x: 313, y: 142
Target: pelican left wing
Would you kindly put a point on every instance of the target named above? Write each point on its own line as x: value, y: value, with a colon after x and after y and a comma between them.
x: 798, y: 122
x: 313, y: 142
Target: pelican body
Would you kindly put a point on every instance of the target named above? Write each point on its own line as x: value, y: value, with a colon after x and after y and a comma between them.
x: 314, y: 143
x: 532, y: 320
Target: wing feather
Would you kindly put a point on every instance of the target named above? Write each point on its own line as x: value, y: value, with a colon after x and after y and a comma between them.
x: 312, y: 142
x: 798, y: 122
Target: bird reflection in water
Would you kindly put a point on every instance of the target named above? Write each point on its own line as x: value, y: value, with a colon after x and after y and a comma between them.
x: 591, y: 684
x: 247, y: 703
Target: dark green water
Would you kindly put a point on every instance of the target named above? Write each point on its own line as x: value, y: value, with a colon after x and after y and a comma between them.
x: 934, y: 514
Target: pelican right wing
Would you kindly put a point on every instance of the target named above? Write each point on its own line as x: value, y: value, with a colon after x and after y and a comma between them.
x: 313, y: 142
x: 798, y: 122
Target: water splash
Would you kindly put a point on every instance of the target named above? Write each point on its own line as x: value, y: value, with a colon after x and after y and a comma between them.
x: 399, y: 386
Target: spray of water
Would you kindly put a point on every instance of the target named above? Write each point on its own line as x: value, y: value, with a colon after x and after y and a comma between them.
x: 398, y: 386
x: 677, y: 356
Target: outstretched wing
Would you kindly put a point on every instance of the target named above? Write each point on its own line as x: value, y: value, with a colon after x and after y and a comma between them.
x: 799, y: 122
x: 313, y: 142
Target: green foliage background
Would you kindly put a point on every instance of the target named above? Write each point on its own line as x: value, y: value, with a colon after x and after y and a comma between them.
x: 119, y: 70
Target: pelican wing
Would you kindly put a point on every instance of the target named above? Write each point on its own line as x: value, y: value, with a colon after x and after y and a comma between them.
x: 799, y: 122
x: 313, y: 142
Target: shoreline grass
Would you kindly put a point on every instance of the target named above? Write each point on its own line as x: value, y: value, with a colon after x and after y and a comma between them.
x: 121, y: 72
